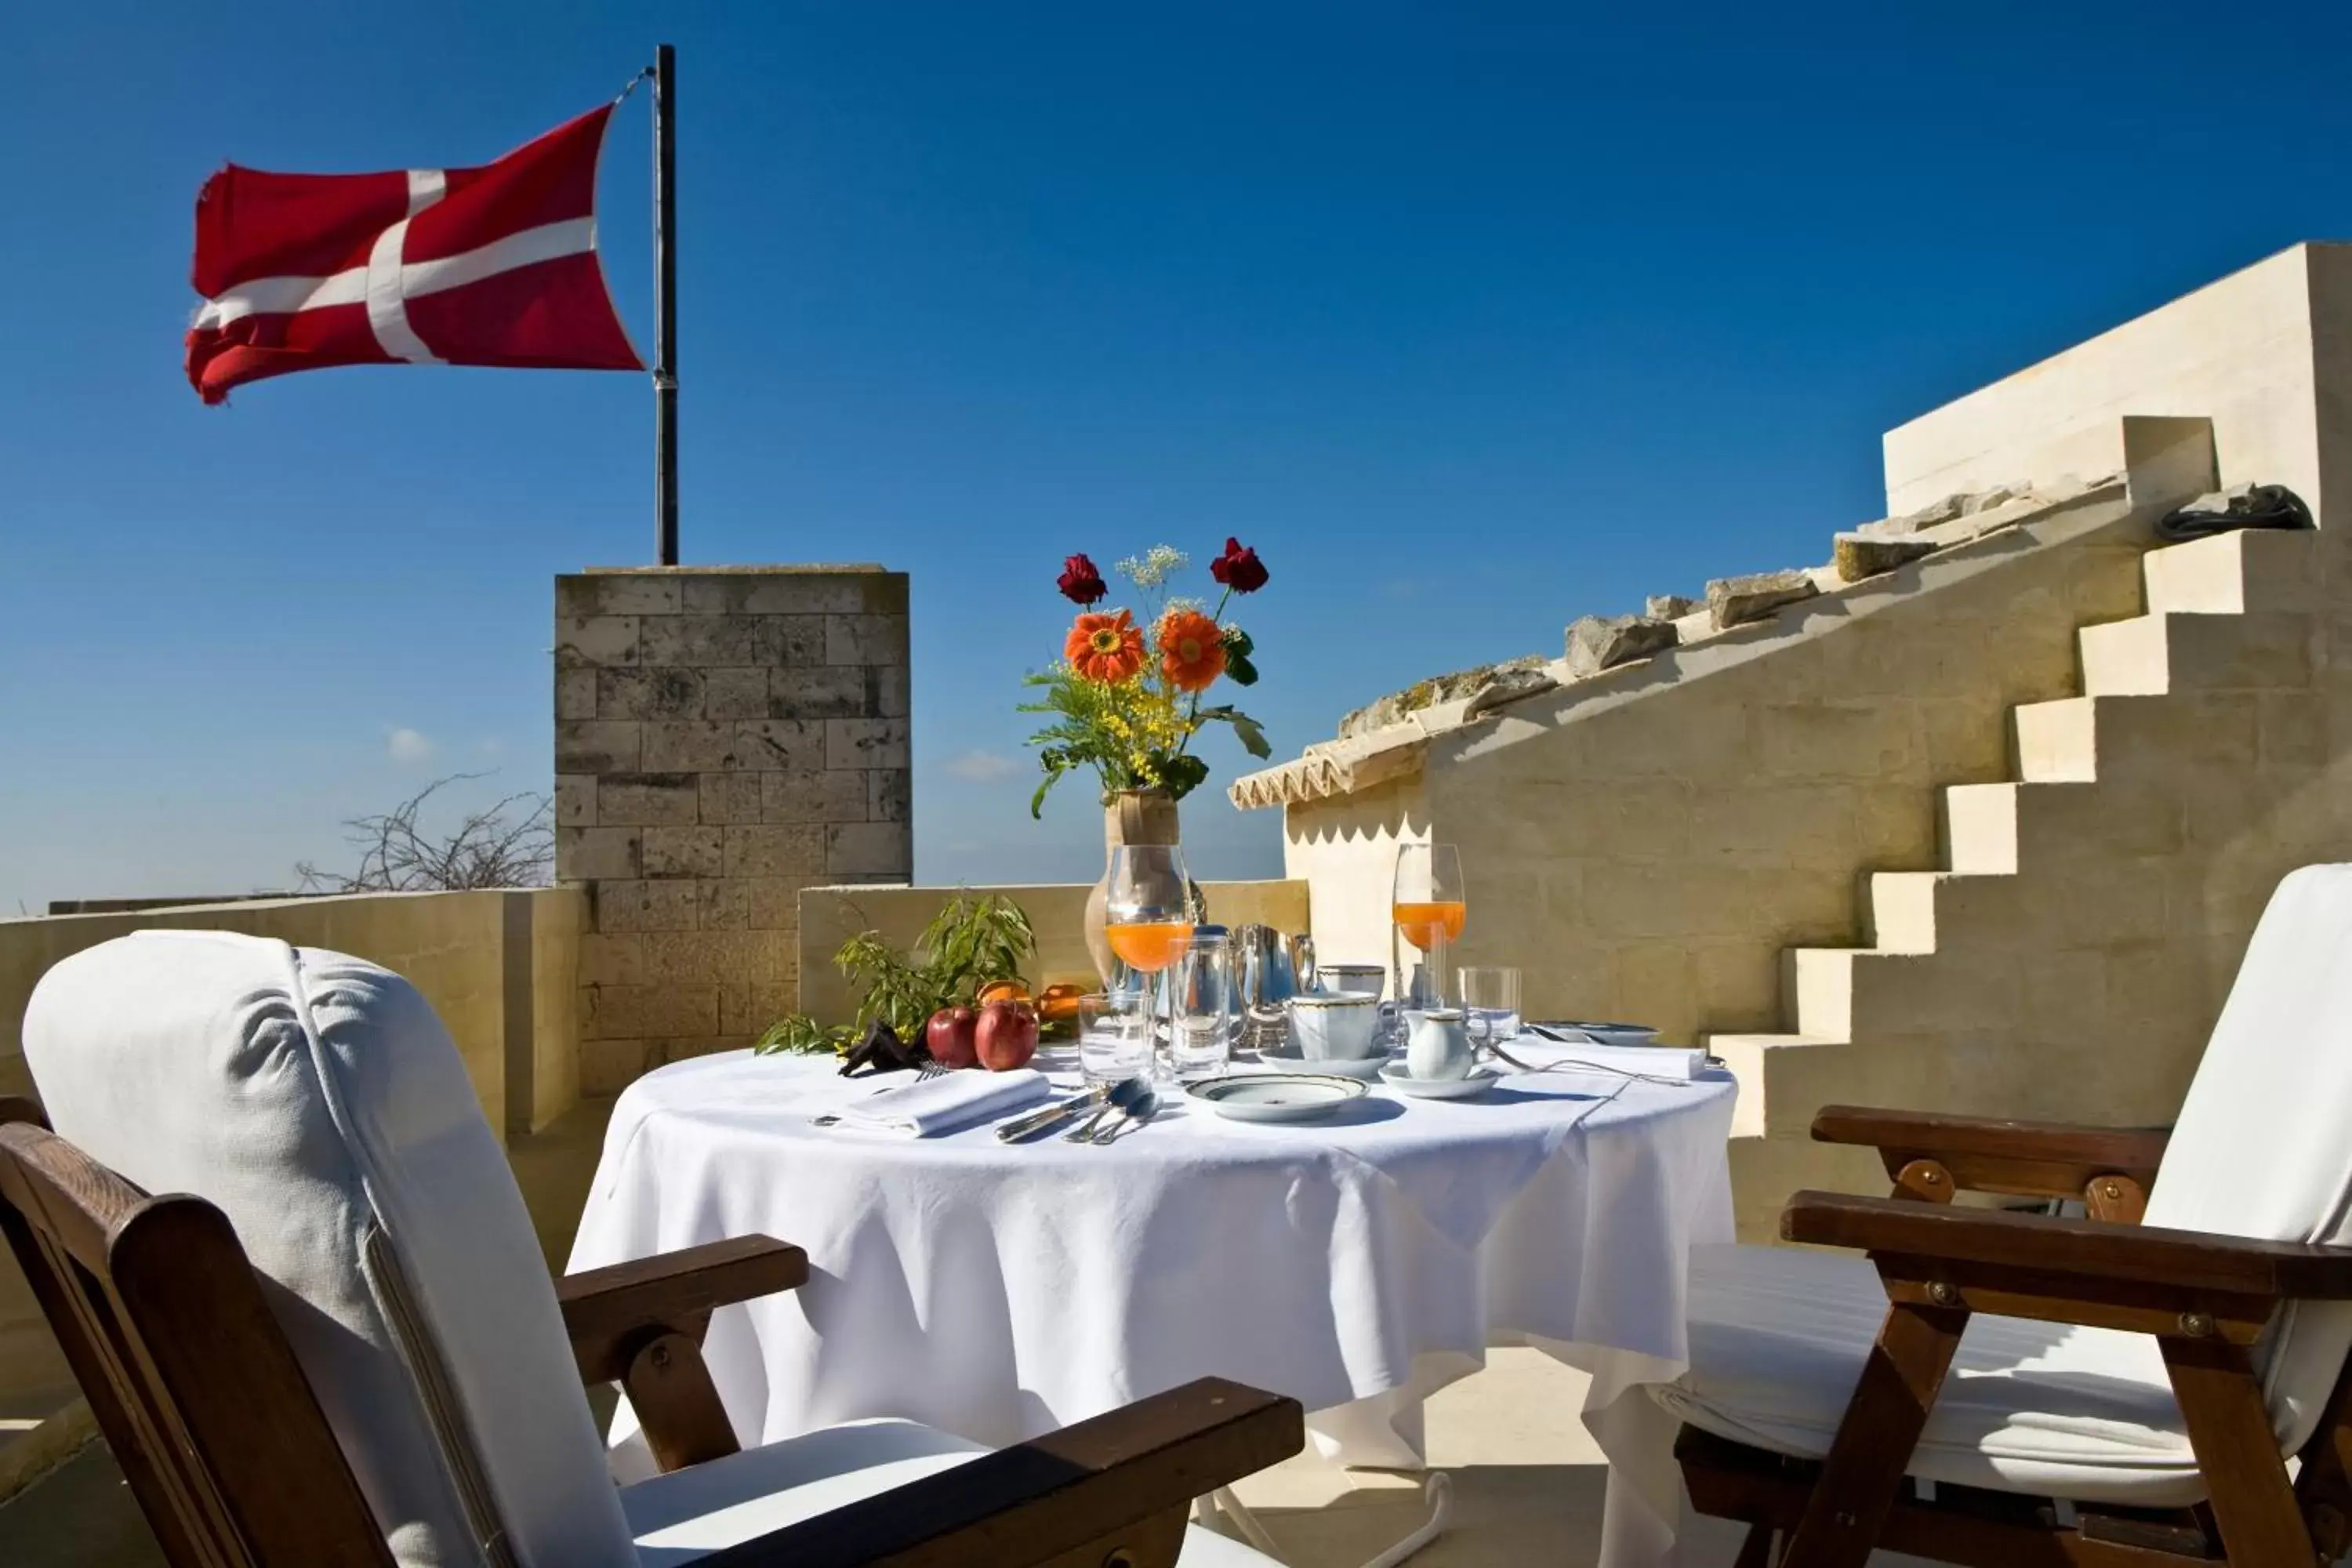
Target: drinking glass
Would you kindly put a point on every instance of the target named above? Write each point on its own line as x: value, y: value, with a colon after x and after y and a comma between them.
x: 1148, y: 921
x: 1114, y: 1037
x: 1427, y: 908
x: 1490, y: 1003
x: 1201, y: 1025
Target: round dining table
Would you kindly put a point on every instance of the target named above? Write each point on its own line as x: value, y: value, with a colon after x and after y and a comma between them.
x: 998, y: 1291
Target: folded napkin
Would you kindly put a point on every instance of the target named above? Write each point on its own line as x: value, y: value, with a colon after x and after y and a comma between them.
x: 1640, y: 1061
x: 931, y: 1106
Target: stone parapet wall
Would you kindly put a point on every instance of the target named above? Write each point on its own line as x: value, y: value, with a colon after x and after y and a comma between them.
x: 724, y: 738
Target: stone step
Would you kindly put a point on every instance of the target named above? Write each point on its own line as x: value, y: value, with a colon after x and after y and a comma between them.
x: 1980, y: 830
x: 1899, y: 914
x: 2126, y: 659
x: 1747, y: 1056
x: 2202, y: 577
x: 1817, y: 991
x: 2057, y: 742
x: 1851, y: 994
x: 2234, y: 573
x: 2153, y: 656
x: 1785, y: 1079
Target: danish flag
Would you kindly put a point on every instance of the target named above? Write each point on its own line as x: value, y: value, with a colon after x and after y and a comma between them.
x: 494, y: 266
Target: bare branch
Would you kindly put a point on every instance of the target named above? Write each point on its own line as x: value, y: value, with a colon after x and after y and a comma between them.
x: 509, y: 844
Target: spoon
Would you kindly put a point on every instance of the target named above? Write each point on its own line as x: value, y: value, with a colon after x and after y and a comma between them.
x: 1123, y: 1094
x: 1145, y: 1106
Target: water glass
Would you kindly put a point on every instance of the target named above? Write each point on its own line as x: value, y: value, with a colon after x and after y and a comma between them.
x: 1490, y: 1003
x: 1114, y: 1037
x: 1201, y: 1012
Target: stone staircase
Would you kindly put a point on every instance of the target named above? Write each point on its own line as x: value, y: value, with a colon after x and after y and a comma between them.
x: 2036, y: 957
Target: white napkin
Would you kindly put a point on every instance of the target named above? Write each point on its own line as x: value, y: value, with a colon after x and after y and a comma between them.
x: 1642, y: 1062
x: 931, y: 1106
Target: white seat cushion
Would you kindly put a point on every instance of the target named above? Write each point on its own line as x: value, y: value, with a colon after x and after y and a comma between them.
x: 1778, y: 1339
x: 683, y: 1516
x: 317, y: 1101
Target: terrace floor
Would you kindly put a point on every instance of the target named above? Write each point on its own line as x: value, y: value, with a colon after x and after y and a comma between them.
x: 1527, y: 1489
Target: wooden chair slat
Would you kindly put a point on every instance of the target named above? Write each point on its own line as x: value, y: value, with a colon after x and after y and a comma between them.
x: 252, y: 1422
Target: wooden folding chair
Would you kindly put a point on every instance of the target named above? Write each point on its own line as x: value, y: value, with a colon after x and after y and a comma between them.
x: 2124, y: 1390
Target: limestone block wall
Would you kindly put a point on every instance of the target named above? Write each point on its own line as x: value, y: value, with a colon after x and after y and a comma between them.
x: 724, y: 737
x: 494, y: 965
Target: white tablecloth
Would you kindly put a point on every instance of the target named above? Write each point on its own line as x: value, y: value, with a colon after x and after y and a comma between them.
x: 1358, y: 1264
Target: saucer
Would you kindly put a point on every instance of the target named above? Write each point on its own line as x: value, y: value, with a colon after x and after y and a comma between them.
x: 1276, y: 1096
x: 1480, y: 1079
x: 1284, y: 1059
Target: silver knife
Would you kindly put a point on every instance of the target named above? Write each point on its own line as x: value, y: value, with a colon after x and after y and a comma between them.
x: 1053, y: 1115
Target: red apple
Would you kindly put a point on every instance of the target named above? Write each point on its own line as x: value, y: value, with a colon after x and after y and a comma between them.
x: 950, y: 1035
x: 1007, y: 1037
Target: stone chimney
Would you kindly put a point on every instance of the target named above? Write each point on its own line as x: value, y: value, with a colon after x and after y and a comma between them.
x: 724, y: 737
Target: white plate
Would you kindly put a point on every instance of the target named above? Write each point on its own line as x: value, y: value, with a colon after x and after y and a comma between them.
x: 1365, y: 1068
x: 1480, y: 1081
x: 1276, y: 1096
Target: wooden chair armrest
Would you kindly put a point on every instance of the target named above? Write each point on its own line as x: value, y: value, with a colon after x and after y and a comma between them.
x: 2028, y: 1159
x: 612, y: 1313
x: 1081, y: 1494
x: 2146, y: 1280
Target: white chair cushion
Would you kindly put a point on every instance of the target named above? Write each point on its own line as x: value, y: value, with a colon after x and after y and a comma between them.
x: 2261, y: 1149
x: 682, y: 1517
x: 317, y: 1101
x: 1778, y: 1339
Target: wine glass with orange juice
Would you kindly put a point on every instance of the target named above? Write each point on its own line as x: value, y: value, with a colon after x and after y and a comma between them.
x: 1429, y: 908
x: 1149, y: 916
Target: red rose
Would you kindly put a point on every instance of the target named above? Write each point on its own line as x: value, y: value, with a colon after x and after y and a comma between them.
x: 1239, y: 568
x: 1082, y: 584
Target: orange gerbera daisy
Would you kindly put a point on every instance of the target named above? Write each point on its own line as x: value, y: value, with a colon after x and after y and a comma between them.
x: 1192, y: 650
x: 1108, y: 648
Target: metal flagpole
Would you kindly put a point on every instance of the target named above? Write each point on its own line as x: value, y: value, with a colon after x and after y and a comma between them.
x: 666, y: 304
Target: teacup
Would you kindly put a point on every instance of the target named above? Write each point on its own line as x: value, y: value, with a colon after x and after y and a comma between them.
x: 1332, y: 979
x: 1336, y: 1026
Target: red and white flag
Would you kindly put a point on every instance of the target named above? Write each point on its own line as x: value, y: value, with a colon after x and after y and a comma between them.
x: 492, y: 266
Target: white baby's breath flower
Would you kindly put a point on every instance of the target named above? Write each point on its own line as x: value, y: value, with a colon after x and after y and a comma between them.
x: 1155, y: 565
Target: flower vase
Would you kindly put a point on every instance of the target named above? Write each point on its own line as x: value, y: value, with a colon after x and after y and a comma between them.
x: 1131, y: 816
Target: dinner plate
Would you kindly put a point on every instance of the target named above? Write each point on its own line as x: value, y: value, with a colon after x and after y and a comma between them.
x: 1276, y: 1096
x: 1284, y: 1060
x: 1480, y: 1081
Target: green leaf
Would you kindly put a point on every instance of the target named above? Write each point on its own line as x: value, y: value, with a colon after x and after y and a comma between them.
x: 1240, y: 671
x: 1246, y: 729
x: 1180, y: 775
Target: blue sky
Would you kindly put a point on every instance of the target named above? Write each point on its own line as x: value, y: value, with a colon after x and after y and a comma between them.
x: 1471, y: 319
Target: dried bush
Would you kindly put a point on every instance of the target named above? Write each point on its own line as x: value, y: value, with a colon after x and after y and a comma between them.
x: 509, y: 844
